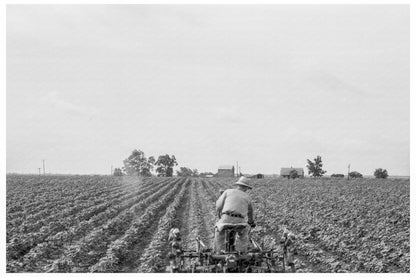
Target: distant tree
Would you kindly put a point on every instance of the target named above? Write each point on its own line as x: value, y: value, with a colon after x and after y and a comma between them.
x: 337, y: 175
x: 138, y: 164
x: 356, y: 174
x: 118, y: 172
x: 151, y: 160
x: 184, y: 172
x: 293, y: 174
x: 147, y: 169
x: 315, y: 167
x: 195, y: 173
x: 165, y: 165
x: 381, y: 173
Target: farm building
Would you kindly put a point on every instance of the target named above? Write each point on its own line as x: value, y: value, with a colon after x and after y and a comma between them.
x: 285, y: 171
x: 256, y: 176
x: 225, y: 171
x: 259, y: 176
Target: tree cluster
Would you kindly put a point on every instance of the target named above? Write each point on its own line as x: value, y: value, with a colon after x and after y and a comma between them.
x: 381, y: 173
x: 138, y: 164
x: 355, y: 174
x: 187, y: 172
x: 118, y: 172
x: 165, y: 165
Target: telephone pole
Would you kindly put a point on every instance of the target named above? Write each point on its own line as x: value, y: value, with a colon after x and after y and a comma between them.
x: 43, y: 167
x: 348, y: 177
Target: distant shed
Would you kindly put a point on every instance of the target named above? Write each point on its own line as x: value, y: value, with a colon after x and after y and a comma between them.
x: 225, y: 171
x: 255, y: 176
x: 285, y: 171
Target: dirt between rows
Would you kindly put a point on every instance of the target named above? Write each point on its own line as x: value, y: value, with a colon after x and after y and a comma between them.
x: 186, y: 214
x: 193, y: 211
x: 181, y: 221
x: 132, y: 262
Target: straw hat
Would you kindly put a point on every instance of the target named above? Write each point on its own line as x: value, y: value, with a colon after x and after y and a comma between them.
x: 243, y: 181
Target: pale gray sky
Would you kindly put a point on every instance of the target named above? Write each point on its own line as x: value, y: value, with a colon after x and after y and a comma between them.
x: 266, y: 85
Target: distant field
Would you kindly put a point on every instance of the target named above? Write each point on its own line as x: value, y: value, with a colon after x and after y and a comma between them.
x: 121, y: 224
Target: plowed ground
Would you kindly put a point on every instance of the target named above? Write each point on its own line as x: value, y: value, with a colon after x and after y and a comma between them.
x: 121, y: 224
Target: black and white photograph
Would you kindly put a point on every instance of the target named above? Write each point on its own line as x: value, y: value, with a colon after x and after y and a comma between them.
x: 207, y: 138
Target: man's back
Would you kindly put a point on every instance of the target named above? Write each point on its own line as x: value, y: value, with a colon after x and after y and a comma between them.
x: 236, y: 202
x: 233, y: 207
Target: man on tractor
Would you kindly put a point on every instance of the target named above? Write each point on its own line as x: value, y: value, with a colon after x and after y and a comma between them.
x: 234, y: 207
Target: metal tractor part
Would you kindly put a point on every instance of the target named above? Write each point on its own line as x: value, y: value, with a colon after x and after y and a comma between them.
x: 255, y: 259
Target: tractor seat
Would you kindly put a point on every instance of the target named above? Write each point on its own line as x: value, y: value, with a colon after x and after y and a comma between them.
x: 238, y: 227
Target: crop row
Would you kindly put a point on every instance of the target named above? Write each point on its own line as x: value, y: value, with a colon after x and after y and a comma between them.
x: 351, y: 226
x: 71, y: 211
x: 39, y: 190
x: 58, y: 229
x: 194, y: 215
x: 54, y: 245
x: 153, y: 260
x: 78, y: 195
x: 93, y: 246
x: 208, y: 194
x: 120, y: 249
x: 42, y: 208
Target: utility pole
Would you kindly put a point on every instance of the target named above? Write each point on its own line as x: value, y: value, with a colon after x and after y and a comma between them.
x: 111, y: 173
x: 43, y: 167
x: 348, y: 172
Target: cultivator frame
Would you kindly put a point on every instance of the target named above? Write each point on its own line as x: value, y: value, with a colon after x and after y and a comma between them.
x: 205, y: 260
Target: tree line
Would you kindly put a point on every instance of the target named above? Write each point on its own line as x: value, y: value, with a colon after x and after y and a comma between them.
x: 315, y: 168
x: 138, y: 164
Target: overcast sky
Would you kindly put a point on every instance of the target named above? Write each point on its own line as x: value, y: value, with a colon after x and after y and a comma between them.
x: 267, y: 86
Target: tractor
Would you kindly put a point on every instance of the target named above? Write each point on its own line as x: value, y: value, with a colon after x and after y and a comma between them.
x: 206, y: 260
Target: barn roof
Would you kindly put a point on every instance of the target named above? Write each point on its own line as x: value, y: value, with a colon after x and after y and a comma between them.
x: 229, y: 167
x: 286, y: 170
